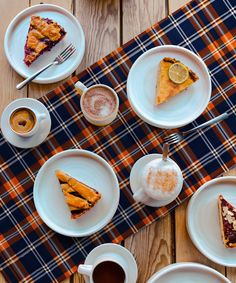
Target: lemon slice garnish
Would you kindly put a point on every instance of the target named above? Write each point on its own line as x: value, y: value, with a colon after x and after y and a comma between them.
x: 178, y: 73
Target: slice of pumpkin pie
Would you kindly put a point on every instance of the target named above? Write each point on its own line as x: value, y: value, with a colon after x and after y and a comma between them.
x: 79, y: 197
x: 173, y: 77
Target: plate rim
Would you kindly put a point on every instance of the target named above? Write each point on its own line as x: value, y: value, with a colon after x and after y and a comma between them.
x: 179, y: 265
x: 35, y: 7
x: 40, y: 210
x: 188, y: 218
x: 151, y: 121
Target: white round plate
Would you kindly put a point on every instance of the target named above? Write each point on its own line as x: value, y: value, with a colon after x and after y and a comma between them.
x: 179, y: 110
x: 121, y: 251
x: 90, y: 169
x: 188, y: 272
x: 15, y: 38
x: 203, y: 219
x: 38, y: 137
x: 135, y: 179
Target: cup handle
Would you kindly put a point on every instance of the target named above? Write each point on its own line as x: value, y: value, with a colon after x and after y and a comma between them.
x: 140, y: 196
x: 41, y: 117
x: 85, y: 269
x: 81, y: 88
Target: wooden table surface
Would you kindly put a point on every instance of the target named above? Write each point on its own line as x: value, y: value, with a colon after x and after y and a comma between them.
x: 107, y: 24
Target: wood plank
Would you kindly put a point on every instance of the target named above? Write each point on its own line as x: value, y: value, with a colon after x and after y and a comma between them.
x: 38, y: 90
x: 152, y: 245
x: 141, y: 14
x: 175, y: 5
x: 101, y: 23
x: 9, y: 78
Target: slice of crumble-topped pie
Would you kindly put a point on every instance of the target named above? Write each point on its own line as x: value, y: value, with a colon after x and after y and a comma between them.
x: 43, y: 34
x: 165, y: 87
x: 79, y: 197
x: 227, y: 214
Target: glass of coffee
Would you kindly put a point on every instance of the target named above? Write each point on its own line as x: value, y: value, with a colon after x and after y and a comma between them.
x: 99, y: 103
x: 24, y: 121
x: 106, y: 269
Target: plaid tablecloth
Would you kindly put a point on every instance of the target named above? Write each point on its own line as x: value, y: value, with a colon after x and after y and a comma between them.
x: 32, y: 252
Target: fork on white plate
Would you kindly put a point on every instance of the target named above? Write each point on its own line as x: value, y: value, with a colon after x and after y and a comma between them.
x: 61, y: 58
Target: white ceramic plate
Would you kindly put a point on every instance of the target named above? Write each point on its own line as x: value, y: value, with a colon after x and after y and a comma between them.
x: 179, y: 110
x: 203, y: 220
x: 120, y: 251
x: 90, y: 169
x: 188, y: 272
x: 15, y: 38
x: 38, y: 137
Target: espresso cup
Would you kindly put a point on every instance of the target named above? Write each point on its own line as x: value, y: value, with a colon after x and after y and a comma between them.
x: 109, y: 267
x: 24, y: 121
x: 99, y: 103
x: 160, y: 180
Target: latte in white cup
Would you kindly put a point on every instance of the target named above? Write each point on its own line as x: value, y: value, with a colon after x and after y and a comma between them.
x: 160, y: 180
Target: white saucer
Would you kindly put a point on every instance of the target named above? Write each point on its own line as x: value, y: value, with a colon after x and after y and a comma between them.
x: 123, y: 252
x: 135, y: 179
x: 179, y: 110
x: 187, y: 272
x: 15, y: 38
x: 91, y: 169
x: 34, y: 140
x: 203, y: 220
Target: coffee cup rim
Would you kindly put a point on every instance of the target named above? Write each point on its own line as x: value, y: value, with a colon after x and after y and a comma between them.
x: 27, y: 133
x: 97, y: 118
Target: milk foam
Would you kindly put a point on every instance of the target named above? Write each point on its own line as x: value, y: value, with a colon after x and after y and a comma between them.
x: 161, y: 179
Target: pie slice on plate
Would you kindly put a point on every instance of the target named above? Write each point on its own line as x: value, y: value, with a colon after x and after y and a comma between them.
x: 43, y: 34
x: 79, y: 197
x: 227, y: 215
x: 167, y: 86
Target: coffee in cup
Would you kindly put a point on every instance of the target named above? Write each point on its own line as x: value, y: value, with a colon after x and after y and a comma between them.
x: 160, y: 180
x: 25, y: 121
x: 99, y: 103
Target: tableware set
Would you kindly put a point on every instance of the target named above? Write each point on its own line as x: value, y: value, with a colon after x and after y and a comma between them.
x: 179, y: 112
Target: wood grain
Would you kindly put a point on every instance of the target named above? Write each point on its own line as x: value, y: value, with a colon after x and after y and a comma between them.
x: 100, y: 20
x: 141, y: 14
x: 9, y: 78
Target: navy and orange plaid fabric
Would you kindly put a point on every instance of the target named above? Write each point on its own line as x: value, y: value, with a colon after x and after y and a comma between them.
x: 32, y: 252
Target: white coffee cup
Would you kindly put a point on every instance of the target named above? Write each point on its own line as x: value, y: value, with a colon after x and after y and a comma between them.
x: 39, y: 117
x: 101, y: 120
x: 90, y: 270
x: 160, y: 180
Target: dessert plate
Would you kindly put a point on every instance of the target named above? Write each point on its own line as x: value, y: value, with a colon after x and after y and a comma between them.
x: 90, y: 169
x: 15, y: 38
x: 120, y: 251
x: 38, y: 137
x: 203, y: 220
x: 179, y: 110
x: 186, y: 272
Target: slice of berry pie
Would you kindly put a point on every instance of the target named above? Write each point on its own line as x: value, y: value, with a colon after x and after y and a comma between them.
x: 43, y: 34
x: 79, y: 197
x: 227, y: 215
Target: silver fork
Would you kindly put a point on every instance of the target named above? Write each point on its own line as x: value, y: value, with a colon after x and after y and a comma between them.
x: 61, y: 58
x: 177, y: 137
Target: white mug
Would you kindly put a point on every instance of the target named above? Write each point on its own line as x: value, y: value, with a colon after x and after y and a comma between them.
x: 39, y: 117
x: 150, y: 189
x: 101, y: 121
x: 88, y: 270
